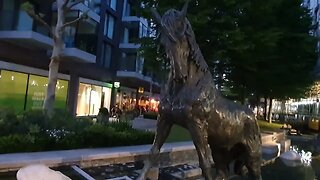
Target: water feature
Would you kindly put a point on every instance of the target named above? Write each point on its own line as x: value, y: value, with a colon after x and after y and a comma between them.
x: 274, y: 169
x: 278, y: 170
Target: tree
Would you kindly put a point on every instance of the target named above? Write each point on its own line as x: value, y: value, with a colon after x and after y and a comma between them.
x: 63, y: 7
x: 260, y: 48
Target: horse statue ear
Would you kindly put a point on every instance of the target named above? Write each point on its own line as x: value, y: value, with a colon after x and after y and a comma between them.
x: 183, y: 12
x: 156, y: 16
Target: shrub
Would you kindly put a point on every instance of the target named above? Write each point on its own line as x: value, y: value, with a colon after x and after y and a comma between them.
x: 120, y: 125
x: 35, y: 131
x: 38, y: 117
x: 9, y: 122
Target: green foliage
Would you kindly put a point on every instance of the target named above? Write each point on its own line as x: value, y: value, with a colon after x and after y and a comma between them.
x: 27, y: 6
x: 252, y: 47
x: 33, y: 117
x: 9, y: 122
x: 35, y: 131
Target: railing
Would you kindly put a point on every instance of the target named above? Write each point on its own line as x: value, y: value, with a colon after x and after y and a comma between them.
x: 20, y: 21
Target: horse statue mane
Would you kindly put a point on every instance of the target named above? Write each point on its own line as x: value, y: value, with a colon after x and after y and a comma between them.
x: 191, y: 100
x: 169, y: 23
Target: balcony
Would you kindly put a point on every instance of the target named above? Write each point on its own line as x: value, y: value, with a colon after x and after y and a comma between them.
x: 16, y: 27
x: 133, y: 31
x: 92, y: 8
x: 129, y: 47
x: 78, y: 55
x: 131, y: 67
x: 27, y: 39
x: 133, y: 20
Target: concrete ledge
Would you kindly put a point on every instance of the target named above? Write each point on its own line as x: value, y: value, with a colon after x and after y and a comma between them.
x: 182, y: 152
x: 171, y: 154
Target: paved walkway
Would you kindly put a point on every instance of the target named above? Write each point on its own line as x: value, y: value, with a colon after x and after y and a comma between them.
x: 144, y: 124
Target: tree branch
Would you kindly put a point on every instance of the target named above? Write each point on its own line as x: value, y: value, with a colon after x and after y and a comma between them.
x: 36, y: 17
x: 83, y: 16
x: 65, y: 3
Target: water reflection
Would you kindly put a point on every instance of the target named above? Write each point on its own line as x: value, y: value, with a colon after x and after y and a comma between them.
x: 278, y: 171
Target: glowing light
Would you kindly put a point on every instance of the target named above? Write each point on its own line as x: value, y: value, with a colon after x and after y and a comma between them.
x: 12, y: 78
x: 306, y: 157
x: 33, y: 83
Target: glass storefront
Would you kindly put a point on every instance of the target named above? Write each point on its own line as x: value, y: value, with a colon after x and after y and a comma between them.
x: 21, y: 92
x: 37, y: 91
x: 91, y: 98
x: 13, y: 87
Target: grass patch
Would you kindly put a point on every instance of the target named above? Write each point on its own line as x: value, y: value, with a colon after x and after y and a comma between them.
x: 178, y: 134
x: 266, y: 126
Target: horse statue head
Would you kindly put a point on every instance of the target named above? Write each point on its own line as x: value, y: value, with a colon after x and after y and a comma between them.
x: 177, y: 37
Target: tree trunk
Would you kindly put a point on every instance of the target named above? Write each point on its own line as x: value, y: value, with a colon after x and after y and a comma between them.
x: 270, y: 111
x: 51, y: 89
x: 258, y: 105
x: 57, y: 53
x: 265, y: 108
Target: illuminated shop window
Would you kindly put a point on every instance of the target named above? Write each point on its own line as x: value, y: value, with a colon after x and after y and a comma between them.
x: 37, y: 92
x: 12, y: 89
x: 91, y: 98
x: 95, y: 99
x: 61, y: 94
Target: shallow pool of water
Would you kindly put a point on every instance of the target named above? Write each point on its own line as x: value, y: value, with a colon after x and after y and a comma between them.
x: 279, y: 171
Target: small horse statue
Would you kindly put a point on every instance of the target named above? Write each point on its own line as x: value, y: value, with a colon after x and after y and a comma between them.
x: 191, y: 100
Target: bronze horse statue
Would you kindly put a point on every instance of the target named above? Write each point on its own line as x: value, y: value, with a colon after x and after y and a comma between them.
x: 191, y: 100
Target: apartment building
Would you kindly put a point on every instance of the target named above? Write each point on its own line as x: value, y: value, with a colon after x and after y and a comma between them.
x: 101, y: 66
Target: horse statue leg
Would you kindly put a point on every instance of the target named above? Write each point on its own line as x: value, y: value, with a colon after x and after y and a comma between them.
x: 221, y: 158
x: 198, y: 129
x: 162, y: 132
x: 253, y: 160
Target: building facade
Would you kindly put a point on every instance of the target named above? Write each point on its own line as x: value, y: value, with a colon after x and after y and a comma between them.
x: 100, y: 51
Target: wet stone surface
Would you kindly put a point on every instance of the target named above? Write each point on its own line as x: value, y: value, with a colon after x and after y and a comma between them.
x: 131, y: 170
x: 127, y: 171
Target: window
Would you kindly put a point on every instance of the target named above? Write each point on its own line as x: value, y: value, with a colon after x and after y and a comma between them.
x: 139, y: 64
x: 128, y: 62
x: 126, y: 8
x: 19, y: 93
x: 25, y: 22
x: 86, y: 38
x: 82, y: 35
x: 7, y: 15
x: 143, y: 30
x: 94, y: 5
x: 126, y: 35
x: 112, y: 4
x: 109, y: 26
x: 106, y: 56
x: 37, y: 92
x: 13, y: 89
x: 91, y: 98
